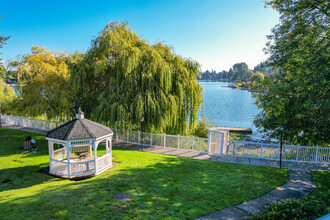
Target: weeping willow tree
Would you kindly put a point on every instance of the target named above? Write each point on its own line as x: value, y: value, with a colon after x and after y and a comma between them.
x: 43, y: 81
x: 122, y: 79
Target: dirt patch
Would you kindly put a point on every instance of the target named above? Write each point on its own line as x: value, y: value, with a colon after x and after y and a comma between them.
x: 123, y: 197
x: 44, y: 170
x: 6, y: 181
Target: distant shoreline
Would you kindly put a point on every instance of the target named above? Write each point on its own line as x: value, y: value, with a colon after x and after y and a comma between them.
x: 230, y: 84
x: 205, y: 80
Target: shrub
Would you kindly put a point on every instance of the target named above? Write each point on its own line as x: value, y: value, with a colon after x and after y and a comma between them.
x: 202, y: 127
x: 312, y: 206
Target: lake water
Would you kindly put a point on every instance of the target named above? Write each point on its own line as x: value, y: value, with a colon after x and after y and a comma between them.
x: 227, y: 106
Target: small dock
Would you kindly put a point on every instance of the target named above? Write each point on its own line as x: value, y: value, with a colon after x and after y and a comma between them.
x: 235, y: 129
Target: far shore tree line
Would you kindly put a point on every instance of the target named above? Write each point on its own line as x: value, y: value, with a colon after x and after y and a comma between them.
x: 122, y: 81
x: 241, y: 75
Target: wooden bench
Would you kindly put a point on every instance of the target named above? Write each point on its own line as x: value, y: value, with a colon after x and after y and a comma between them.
x: 82, y: 154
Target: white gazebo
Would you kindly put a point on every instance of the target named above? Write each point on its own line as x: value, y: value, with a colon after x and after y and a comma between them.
x: 73, y: 148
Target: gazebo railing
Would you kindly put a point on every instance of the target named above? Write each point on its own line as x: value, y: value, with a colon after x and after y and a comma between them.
x: 82, y: 168
x: 103, y: 162
x: 59, y: 167
x: 60, y: 154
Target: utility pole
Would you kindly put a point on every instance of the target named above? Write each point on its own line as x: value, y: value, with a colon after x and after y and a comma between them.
x: 280, y: 129
x: 142, y: 119
x: 281, y: 145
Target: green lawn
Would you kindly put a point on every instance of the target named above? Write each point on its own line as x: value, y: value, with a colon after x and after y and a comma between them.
x: 160, y: 186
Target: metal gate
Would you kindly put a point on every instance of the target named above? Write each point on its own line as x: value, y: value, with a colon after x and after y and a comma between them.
x: 217, y: 143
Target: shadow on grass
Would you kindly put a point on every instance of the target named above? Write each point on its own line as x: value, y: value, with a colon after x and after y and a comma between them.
x: 22, y: 177
x: 160, y: 187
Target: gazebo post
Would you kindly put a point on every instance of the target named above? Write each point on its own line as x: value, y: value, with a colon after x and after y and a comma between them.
x: 67, y: 146
x: 90, y: 149
x: 95, y: 144
x: 106, y: 146
x: 51, y: 155
x: 110, y: 148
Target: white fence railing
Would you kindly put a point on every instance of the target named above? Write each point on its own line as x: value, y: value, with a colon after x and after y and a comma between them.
x: 30, y: 122
x: 234, y: 148
x: 272, y: 151
x: 162, y: 140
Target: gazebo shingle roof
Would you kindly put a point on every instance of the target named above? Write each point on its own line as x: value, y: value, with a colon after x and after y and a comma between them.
x: 79, y: 129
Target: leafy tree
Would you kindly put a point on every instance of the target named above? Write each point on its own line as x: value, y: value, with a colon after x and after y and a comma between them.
x: 44, y: 84
x: 3, y: 73
x: 257, y: 77
x: 264, y: 68
x: 298, y: 97
x: 241, y: 72
x: 7, y: 95
x: 122, y: 78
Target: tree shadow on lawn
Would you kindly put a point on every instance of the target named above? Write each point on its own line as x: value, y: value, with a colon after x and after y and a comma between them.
x: 160, y: 187
x: 22, y: 177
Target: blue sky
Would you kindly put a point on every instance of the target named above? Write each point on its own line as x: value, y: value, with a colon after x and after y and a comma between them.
x: 216, y: 33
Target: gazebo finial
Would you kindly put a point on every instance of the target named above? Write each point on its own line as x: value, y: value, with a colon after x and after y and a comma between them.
x: 80, y: 114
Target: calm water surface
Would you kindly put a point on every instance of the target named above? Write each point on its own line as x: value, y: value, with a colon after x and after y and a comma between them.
x: 227, y: 106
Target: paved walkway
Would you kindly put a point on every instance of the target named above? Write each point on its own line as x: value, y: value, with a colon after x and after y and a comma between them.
x: 300, y: 180
x: 16, y: 127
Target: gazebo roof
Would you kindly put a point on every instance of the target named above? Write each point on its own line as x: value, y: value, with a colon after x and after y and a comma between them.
x: 79, y: 129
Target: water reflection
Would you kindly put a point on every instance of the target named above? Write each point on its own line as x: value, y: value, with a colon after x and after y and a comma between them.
x: 227, y: 106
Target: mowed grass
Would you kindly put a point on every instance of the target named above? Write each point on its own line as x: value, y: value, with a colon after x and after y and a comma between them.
x: 160, y: 186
